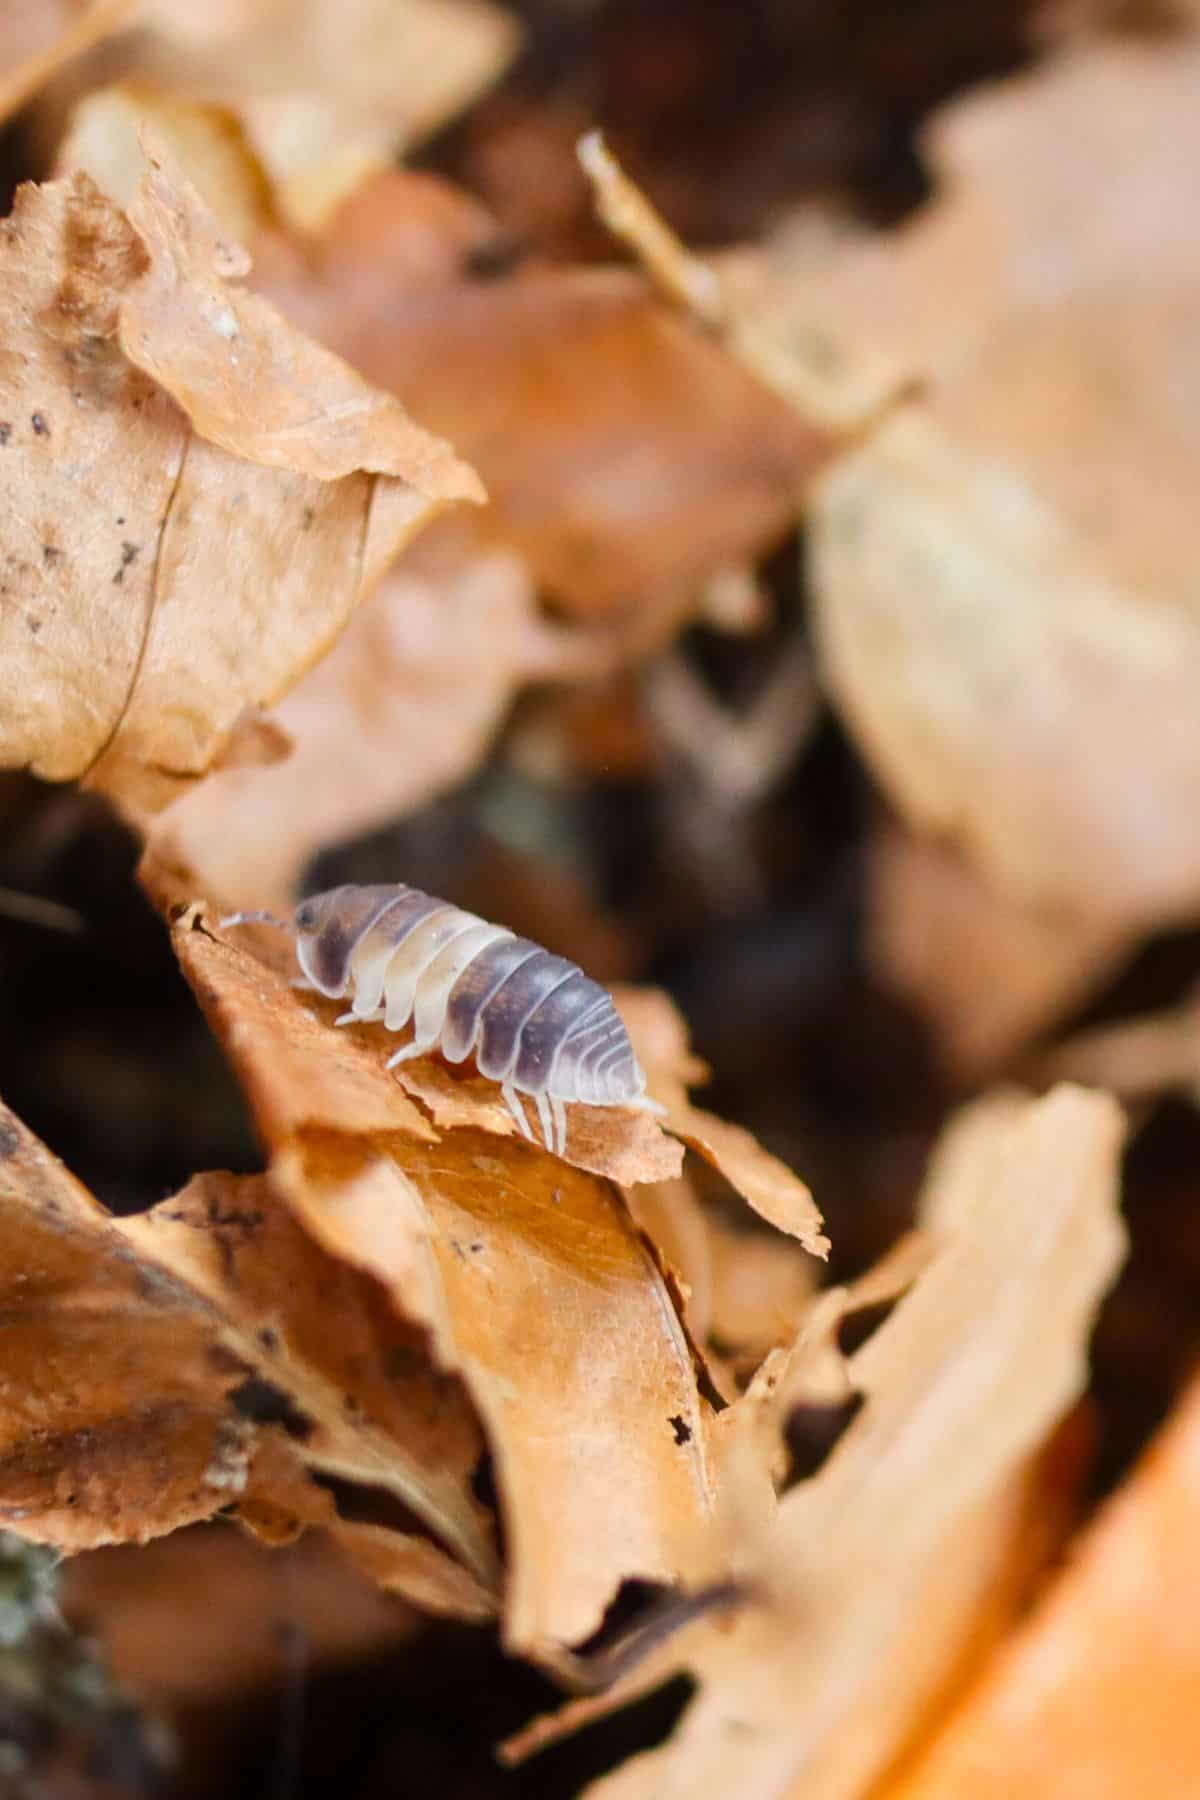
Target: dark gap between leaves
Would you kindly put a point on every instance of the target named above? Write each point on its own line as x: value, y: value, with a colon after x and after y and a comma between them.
x: 810, y: 1433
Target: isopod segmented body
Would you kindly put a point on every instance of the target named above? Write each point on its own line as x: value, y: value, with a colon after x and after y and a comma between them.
x: 535, y: 1023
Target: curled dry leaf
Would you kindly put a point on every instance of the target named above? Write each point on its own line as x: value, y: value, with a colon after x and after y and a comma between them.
x: 536, y: 1286
x: 1094, y: 1699
x: 868, y: 1584
x: 117, y: 1418
x: 181, y: 1362
x: 627, y: 456
x: 402, y: 707
x: 528, y: 1273
x: 389, y: 1443
x: 126, y: 344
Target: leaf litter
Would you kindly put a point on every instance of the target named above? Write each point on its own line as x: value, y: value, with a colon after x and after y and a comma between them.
x: 529, y: 1389
x: 123, y: 513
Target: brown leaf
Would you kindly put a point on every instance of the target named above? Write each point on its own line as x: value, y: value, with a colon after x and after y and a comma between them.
x: 537, y: 1288
x: 529, y: 1274
x: 117, y: 662
x: 171, y: 1365
x: 1139, y: 1059
x: 117, y: 1420
x: 764, y: 1182
x: 349, y: 1381
x: 325, y: 102
x: 626, y: 456
x: 327, y: 99
x: 1005, y: 582
x: 871, y: 1579
x: 1037, y: 713
x: 108, y: 129
x: 1095, y: 1696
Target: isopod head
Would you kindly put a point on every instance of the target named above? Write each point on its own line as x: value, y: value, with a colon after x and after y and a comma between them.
x: 329, y: 927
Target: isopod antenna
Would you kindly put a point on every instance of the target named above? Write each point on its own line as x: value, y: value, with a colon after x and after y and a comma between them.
x: 253, y: 918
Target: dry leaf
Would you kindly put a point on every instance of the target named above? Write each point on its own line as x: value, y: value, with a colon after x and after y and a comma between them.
x: 118, y: 1418
x: 105, y: 138
x: 181, y: 1362
x: 329, y: 97
x: 765, y: 1183
x: 626, y: 456
x: 527, y: 1272
x: 402, y: 707
x: 1009, y: 695
x: 987, y: 974
x: 325, y: 99
x: 1006, y: 588
x: 123, y: 523
x: 535, y: 1285
x: 868, y: 1586
x: 350, y: 1381
x: 1094, y: 1699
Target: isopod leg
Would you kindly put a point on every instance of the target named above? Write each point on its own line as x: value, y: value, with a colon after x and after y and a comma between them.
x: 558, y: 1111
x: 513, y: 1102
x: 545, y: 1120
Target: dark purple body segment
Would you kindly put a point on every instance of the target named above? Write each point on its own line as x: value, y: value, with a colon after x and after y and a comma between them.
x: 511, y: 1006
x: 473, y: 990
x: 545, y: 1032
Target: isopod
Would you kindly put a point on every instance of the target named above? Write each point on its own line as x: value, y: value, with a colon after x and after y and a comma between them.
x: 536, y: 1024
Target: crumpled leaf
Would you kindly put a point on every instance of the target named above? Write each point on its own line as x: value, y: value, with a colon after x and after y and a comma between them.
x: 626, y: 455
x: 402, y: 707
x: 360, y: 1400
x: 180, y: 1362
x: 864, y: 1591
x: 538, y: 1289
x: 116, y: 1415
x: 529, y: 1274
x: 1095, y: 1696
x: 123, y: 523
